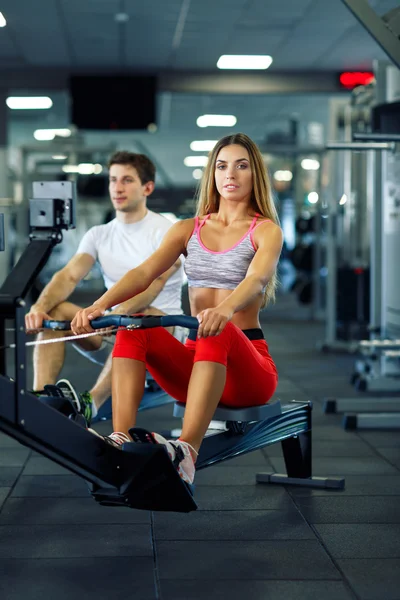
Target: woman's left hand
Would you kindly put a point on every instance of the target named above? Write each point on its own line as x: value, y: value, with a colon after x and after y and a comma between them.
x: 213, y: 320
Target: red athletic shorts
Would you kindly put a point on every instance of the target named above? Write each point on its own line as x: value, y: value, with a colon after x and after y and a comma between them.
x: 251, y: 376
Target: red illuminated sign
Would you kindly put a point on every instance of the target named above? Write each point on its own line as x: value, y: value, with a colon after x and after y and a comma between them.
x: 350, y: 79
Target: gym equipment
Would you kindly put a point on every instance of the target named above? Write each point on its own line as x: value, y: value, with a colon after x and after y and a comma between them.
x: 138, y: 475
x: 379, y: 368
x: 252, y: 428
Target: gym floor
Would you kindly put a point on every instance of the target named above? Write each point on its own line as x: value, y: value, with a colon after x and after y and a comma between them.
x: 246, y: 540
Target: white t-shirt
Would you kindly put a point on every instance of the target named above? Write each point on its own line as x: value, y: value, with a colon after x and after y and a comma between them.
x: 119, y: 247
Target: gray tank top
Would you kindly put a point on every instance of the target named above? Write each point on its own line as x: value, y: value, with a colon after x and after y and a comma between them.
x: 209, y: 269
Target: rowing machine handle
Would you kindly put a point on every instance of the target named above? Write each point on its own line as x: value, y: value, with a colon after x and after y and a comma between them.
x: 143, y: 322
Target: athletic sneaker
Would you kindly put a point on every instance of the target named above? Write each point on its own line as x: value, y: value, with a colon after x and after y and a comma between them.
x: 83, y: 402
x: 181, y: 455
x: 116, y: 438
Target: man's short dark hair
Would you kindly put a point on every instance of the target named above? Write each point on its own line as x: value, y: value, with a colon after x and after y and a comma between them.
x: 143, y: 165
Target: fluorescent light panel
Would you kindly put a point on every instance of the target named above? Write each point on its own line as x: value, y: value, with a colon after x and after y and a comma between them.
x: 29, y: 102
x: 283, y: 175
x: 202, y: 145
x: 83, y: 169
x: 195, y: 161
x: 45, y: 135
x: 3, y: 21
x: 216, y: 121
x: 243, y: 61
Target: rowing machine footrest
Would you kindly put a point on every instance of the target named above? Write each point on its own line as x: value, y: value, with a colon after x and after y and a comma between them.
x: 153, y: 483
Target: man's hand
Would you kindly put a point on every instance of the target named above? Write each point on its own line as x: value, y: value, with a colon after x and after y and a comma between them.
x: 34, y: 319
x: 81, y: 321
x: 213, y: 320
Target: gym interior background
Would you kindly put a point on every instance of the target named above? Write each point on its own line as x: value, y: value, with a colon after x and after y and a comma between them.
x: 119, y: 74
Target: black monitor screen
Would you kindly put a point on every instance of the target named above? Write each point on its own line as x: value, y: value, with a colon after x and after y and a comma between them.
x: 386, y: 118
x: 113, y: 102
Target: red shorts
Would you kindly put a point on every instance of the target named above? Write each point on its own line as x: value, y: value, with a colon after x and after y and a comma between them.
x: 251, y: 376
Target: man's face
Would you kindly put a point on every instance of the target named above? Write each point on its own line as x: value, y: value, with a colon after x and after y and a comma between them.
x: 127, y: 192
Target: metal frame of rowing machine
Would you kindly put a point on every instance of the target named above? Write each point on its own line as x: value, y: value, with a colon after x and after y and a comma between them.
x: 141, y: 477
x: 256, y: 427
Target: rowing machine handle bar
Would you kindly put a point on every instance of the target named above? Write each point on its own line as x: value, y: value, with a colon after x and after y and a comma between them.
x: 144, y: 322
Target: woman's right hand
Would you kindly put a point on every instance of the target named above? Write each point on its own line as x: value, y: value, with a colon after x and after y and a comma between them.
x: 81, y: 322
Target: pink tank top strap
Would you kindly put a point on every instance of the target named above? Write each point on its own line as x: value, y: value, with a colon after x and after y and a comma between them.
x: 253, y: 228
x: 201, y: 223
x: 253, y: 223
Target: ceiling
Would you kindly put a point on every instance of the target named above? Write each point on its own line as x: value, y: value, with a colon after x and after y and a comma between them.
x: 312, y: 39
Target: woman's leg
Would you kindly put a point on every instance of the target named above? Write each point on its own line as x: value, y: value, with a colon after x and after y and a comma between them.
x: 204, y: 394
x: 167, y: 359
x: 128, y: 380
x: 229, y: 369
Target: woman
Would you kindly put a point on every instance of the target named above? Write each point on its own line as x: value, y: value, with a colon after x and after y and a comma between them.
x: 232, y: 249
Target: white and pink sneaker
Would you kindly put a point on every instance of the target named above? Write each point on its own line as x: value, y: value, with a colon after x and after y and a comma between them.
x: 181, y: 453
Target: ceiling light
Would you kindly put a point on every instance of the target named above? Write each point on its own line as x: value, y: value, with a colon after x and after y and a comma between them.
x: 83, y: 169
x: 202, y: 145
x: 29, y: 102
x: 197, y: 173
x: 216, y: 121
x: 195, y: 161
x: 310, y: 164
x: 59, y: 157
x: 121, y: 17
x: 313, y: 197
x: 242, y: 61
x: 343, y: 200
x: 283, y: 175
x: 70, y: 168
x: 3, y: 21
x: 49, y: 134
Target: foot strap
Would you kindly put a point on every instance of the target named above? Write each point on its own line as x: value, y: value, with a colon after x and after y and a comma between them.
x: 142, y: 436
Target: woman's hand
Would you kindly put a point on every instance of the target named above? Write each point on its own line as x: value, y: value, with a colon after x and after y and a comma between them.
x: 81, y: 321
x: 213, y: 320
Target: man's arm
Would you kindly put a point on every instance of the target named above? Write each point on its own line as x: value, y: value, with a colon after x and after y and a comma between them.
x: 59, y: 288
x: 139, y: 303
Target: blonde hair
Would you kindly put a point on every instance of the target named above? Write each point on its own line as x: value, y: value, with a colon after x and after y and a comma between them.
x: 261, y: 198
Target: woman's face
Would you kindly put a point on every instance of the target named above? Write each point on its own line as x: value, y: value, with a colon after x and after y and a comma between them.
x: 233, y: 175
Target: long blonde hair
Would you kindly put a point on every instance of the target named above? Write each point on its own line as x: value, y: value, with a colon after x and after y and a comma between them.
x: 261, y: 197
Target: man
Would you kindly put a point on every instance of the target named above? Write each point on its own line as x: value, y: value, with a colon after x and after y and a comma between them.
x: 118, y: 246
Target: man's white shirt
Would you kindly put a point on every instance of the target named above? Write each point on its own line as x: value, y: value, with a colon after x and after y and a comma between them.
x: 119, y: 247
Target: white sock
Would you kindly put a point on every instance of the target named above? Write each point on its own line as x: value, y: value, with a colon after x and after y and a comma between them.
x: 94, y: 409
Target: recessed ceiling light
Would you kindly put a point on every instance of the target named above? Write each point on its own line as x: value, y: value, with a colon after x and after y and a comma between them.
x: 202, y: 145
x: 216, y: 121
x: 29, y: 102
x: 3, y: 21
x: 313, y: 197
x: 45, y: 135
x: 121, y: 17
x: 59, y: 157
x: 195, y: 161
x: 242, y: 61
x: 310, y: 164
x: 197, y: 173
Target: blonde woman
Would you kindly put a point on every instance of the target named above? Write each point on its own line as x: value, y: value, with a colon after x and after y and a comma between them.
x: 232, y: 249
